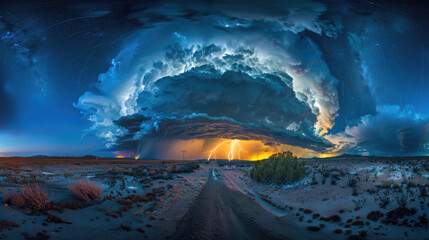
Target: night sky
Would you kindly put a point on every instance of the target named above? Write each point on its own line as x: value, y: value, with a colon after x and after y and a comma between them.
x: 151, y: 78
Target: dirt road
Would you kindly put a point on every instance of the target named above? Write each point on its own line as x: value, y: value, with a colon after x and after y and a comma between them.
x: 222, y: 213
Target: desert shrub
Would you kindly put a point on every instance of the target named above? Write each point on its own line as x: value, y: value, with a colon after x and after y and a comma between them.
x: 402, y: 200
x: 326, y: 174
x: 221, y: 163
x: 384, y: 201
x: 411, y: 185
x: 366, y: 177
x: 280, y: 168
x: 386, y: 184
x: 417, y: 171
x: 426, y: 166
x: 401, y: 212
x: 335, y: 176
x: 355, y: 192
x: 13, y: 198
x: 371, y: 191
x: 87, y: 191
x: 335, y: 218
x: 172, y: 168
x: 423, y: 191
x: 184, y: 168
x: 313, y: 228
x: 30, y: 196
x: 35, y: 196
x: 374, y: 215
x: 352, y: 182
x: 314, y: 181
x: 16, y: 199
x: 6, y: 195
x: 359, y: 203
x: 321, y: 168
x: 423, y: 219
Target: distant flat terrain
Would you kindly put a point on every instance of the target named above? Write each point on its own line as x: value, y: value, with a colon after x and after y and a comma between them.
x: 340, y: 198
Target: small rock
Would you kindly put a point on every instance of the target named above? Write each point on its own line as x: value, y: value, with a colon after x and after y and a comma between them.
x: 313, y: 228
x: 358, y: 223
x: 374, y: 215
x: 126, y: 227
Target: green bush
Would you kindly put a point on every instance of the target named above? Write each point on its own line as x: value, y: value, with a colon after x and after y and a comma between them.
x: 280, y: 168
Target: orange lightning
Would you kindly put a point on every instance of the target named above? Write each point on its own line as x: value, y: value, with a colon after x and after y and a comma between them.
x: 234, y: 144
x: 214, y: 149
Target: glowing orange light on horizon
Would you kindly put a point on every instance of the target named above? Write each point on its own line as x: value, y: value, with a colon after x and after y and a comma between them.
x: 231, y: 154
x: 327, y: 155
x: 120, y: 156
x: 219, y: 148
x: 261, y: 156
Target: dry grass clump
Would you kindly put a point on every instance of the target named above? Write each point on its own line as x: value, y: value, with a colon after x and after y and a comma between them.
x: 13, y: 198
x: 35, y: 196
x: 87, y: 191
x: 30, y: 196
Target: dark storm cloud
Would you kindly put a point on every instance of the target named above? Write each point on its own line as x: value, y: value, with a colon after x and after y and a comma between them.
x: 354, y: 94
x: 323, y: 81
x: 265, y: 109
x: 375, y: 56
x: 265, y: 100
x: 392, y: 131
x: 247, y: 86
x: 294, y: 14
x: 204, y: 127
x: 382, y: 49
x: 131, y: 122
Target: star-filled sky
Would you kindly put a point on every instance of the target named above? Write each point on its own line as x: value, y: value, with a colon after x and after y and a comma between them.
x: 153, y: 78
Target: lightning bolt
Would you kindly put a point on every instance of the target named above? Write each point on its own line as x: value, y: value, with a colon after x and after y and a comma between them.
x: 231, y: 154
x: 214, y: 149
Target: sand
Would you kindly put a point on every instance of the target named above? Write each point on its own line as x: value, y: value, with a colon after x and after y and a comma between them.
x: 333, y: 201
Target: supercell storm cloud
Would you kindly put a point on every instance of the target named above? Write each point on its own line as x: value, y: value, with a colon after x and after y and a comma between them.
x: 236, y: 77
x: 319, y: 76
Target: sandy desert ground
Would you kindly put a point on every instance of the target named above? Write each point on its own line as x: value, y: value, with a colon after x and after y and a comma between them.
x: 339, y: 199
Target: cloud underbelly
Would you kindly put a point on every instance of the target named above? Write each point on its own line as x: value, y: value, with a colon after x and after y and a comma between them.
x: 206, y: 103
